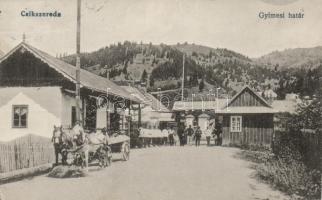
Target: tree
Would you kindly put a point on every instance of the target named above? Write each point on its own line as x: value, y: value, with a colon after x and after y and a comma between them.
x: 194, y: 54
x: 125, y: 68
x: 201, y: 85
x: 144, y: 76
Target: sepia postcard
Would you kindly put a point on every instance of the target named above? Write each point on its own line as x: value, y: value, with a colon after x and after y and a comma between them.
x: 160, y: 99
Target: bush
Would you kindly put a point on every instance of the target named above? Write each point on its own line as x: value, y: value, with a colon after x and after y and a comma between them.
x: 255, y: 147
x: 286, y: 171
x: 257, y: 156
x: 292, y: 177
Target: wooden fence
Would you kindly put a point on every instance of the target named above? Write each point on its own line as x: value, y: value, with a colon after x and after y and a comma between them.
x: 249, y: 136
x: 25, y: 152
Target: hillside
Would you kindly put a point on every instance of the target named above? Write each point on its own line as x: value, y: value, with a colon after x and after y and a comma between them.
x: 194, y: 49
x: 160, y: 67
x: 292, y: 58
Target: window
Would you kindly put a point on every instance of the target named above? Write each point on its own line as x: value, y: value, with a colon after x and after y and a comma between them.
x: 20, y: 116
x: 235, y: 123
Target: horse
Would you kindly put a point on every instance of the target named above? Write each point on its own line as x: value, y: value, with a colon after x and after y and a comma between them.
x: 92, y: 146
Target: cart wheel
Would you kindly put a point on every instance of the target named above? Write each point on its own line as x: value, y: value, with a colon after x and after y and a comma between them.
x: 126, y: 151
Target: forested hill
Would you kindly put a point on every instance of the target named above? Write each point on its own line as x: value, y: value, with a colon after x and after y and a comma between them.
x: 215, y: 53
x: 160, y: 66
x: 163, y: 64
x: 292, y: 58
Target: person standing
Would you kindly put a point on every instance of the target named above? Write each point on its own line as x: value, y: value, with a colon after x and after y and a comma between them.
x: 218, y: 132
x: 165, y: 133
x: 184, y: 135
x: 181, y: 134
x: 208, y: 135
x: 189, y: 133
x: 198, y: 134
x: 171, y: 136
x: 175, y: 137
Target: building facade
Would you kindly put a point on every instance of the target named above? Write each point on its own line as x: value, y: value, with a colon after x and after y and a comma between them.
x: 37, y: 91
x: 247, y: 119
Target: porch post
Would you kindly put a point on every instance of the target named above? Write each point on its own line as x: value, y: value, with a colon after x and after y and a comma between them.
x: 129, y: 120
x: 139, y: 116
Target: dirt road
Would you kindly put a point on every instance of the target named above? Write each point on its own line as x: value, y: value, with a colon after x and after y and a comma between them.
x: 158, y: 173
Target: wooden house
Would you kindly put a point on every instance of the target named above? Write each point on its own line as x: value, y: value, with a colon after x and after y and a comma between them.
x: 247, y: 119
x: 37, y: 91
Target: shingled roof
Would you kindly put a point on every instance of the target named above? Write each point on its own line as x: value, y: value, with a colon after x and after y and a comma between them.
x: 87, y: 79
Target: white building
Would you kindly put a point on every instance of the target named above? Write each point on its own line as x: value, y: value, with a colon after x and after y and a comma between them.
x: 37, y: 91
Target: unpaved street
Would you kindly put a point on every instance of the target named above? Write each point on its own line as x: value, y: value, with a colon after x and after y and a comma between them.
x: 157, y: 173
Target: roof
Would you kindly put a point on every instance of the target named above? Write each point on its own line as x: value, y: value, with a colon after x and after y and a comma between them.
x: 87, y: 79
x: 146, y: 98
x: 246, y: 110
x: 263, y: 108
x: 263, y: 101
x: 199, y: 105
x: 283, y: 106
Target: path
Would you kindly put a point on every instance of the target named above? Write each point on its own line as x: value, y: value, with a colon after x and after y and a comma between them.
x: 157, y: 173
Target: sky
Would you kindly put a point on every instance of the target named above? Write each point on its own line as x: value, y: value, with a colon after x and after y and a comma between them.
x: 231, y: 24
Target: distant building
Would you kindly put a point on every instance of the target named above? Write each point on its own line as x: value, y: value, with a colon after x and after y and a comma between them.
x: 154, y: 114
x: 291, y: 96
x: 246, y: 119
x: 198, y: 113
x: 269, y: 94
x: 140, y: 58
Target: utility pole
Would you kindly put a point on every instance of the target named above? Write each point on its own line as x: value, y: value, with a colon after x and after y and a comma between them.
x: 78, y: 112
x: 182, y: 85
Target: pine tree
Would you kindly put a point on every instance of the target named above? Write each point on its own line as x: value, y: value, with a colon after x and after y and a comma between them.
x: 144, y: 76
x: 201, y: 85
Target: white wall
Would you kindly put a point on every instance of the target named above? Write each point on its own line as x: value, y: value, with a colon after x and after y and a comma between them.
x: 42, y: 115
x: 189, y: 121
x: 101, y: 118
x: 203, y: 123
x: 67, y: 101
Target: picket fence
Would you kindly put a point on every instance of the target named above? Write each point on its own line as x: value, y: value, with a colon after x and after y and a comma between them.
x: 25, y: 152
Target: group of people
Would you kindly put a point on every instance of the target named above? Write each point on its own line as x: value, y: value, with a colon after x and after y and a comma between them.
x: 188, y: 135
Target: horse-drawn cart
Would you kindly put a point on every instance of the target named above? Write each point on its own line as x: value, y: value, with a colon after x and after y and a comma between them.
x: 81, y: 150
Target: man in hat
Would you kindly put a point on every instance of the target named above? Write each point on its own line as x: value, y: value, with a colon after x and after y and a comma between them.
x: 198, y: 134
x: 189, y: 133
